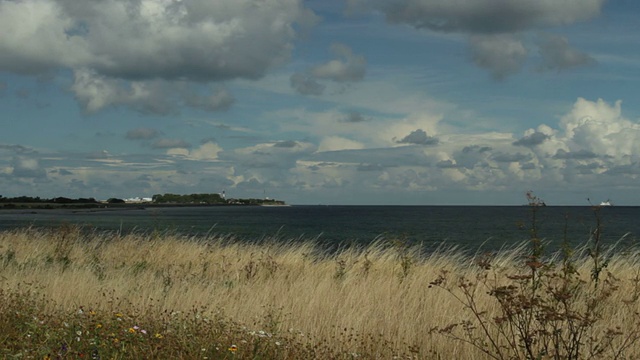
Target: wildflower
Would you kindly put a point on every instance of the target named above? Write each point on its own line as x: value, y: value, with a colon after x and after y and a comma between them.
x: 158, y: 336
x: 233, y: 348
x: 63, y: 349
x: 278, y: 343
x: 91, y: 312
x: 98, y: 326
x: 47, y: 357
x: 94, y: 354
x: 79, y: 333
x: 136, y: 327
x: 132, y: 330
x: 143, y: 331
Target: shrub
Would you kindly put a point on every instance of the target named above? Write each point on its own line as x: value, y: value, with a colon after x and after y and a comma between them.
x: 545, y: 308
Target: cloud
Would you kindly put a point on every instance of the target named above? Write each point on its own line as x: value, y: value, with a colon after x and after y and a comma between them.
x: 286, y: 144
x: 558, y: 55
x: 353, y: 117
x: 502, y: 55
x: 64, y: 172
x: 492, y: 26
x: 95, y: 92
x: 532, y: 139
x: 142, y: 134
x: 511, y: 157
x: 197, y: 40
x: 599, y: 127
x: 306, y: 84
x: 418, y: 137
x: 578, y: 155
x: 334, y: 143
x: 25, y: 167
x: 170, y: 144
x: 446, y: 164
x: 127, y: 48
x: 476, y: 148
x: 348, y: 67
x: 17, y: 149
x: 219, y: 99
x: 370, y: 167
x: 481, y: 16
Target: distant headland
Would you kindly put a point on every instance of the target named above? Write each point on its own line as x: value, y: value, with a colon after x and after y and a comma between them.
x: 27, y: 202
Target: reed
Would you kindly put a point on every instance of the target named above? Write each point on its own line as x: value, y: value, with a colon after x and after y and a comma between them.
x: 71, y: 291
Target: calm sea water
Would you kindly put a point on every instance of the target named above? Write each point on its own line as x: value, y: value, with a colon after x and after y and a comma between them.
x: 469, y: 227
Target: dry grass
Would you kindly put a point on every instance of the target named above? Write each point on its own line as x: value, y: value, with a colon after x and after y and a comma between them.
x: 371, y: 303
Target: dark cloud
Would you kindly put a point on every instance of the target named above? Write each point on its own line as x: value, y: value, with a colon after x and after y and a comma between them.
x: 508, y: 158
x: 95, y: 92
x: 17, y: 149
x: 557, y: 54
x: 353, y: 117
x: 586, y: 169
x: 446, y: 164
x: 528, y: 166
x: 576, y: 155
x: 348, y: 67
x: 170, y: 144
x: 286, y: 144
x: 220, y: 99
x: 369, y: 167
x: 306, y: 84
x: 534, y: 139
x: 631, y: 169
x: 120, y: 51
x: 491, y: 25
x: 476, y: 148
x: 142, y: 134
x: 104, y: 154
x: 502, y: 55
x: 481, y: 16
x: 191, y: 40
x: 418, y: 137
x: 207, y: 140
x: 25, y: 167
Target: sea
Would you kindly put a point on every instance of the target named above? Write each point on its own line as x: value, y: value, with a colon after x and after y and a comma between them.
x: 469, y: 228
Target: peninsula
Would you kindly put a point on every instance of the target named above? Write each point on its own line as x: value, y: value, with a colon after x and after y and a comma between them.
x: 27, y: 202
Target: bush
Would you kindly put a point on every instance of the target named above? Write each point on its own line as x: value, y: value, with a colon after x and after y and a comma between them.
x: 545, y: 309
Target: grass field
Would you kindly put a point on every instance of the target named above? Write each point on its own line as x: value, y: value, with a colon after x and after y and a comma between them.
x: 70, y: 293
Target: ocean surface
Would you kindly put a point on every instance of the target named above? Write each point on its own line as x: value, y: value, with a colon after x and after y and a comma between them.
x: 473, y: 228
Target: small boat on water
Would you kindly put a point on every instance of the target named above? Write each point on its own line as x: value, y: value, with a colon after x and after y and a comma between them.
x: 606, y: 203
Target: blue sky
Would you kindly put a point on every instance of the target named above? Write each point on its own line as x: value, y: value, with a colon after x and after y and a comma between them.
x: 322, y: 101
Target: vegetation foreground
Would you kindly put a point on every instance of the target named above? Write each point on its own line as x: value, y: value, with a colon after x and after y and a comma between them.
x: 70, y: 293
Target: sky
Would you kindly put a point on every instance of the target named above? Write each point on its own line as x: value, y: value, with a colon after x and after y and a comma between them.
x: 386, y: 102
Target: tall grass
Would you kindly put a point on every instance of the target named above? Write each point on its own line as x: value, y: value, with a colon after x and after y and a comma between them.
x: 70, y: 292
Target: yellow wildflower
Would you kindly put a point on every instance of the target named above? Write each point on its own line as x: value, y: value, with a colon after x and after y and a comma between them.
x: 132, y: 330
x: 158, y: 336
x: 233, y: 348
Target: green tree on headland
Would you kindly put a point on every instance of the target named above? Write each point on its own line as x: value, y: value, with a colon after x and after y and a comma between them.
x: 188, y: 199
